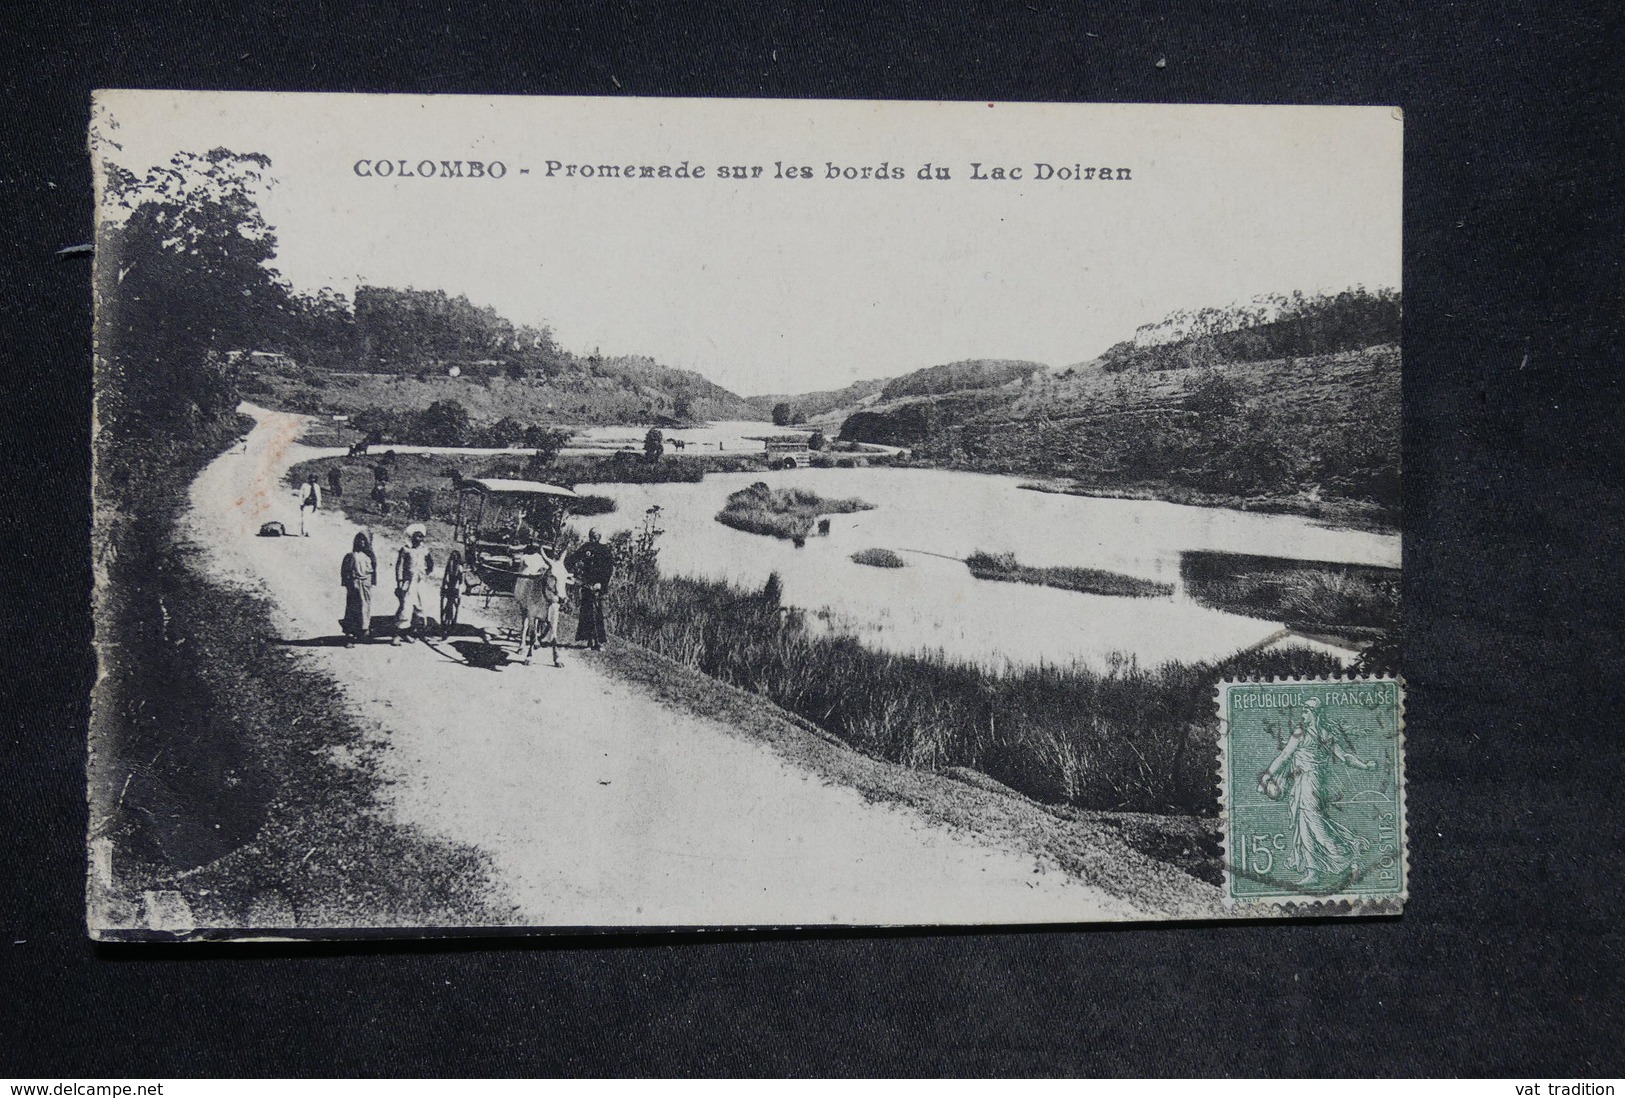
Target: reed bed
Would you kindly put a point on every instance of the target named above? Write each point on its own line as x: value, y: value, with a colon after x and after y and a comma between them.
x: 1090, y: 581
x: 1304, y: 594
x: 878, y: 558
x: 1127, y: 738
x: 787, y: 513
x: 589, y: 505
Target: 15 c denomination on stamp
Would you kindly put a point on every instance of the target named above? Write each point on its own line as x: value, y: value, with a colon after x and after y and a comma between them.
x: 1313, y: 791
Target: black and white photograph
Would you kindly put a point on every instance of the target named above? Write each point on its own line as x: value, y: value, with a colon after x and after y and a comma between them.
x: 536, y: 514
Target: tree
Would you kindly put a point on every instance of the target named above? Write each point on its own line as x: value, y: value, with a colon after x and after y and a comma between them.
x: 185, y: 277
x: 321, y: 329
x: 536, y: 343
x: 546, y: 441
x: 417, y: 328
x: 654, y: 445
x: 782, y: 413
x: 504, y: 432
x: 443, y: 423
x: 817, y: 441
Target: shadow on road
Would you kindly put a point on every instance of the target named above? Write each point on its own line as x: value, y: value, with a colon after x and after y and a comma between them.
x: 381, y: 630
x: 482, y: 654
x: 336, y: 640
x: 461, y: 630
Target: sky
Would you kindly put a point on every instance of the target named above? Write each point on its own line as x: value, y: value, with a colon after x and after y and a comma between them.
x: 791, y: 285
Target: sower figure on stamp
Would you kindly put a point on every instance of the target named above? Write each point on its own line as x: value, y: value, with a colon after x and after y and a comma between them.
x: 594, y: 566
x: 414, y: 569
x: 1321, y: 846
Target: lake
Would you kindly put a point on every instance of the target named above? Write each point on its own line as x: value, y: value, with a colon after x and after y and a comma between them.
x: 934, y: 604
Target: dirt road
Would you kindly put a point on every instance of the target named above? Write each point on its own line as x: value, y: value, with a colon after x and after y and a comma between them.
x: 597, y: 804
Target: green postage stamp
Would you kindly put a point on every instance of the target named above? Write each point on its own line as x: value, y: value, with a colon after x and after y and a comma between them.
x: 1313, y: 785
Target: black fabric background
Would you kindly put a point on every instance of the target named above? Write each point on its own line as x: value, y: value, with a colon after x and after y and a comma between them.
x: 1508, y: 960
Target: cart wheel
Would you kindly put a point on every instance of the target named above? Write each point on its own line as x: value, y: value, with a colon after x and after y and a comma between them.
x: 450, y: 604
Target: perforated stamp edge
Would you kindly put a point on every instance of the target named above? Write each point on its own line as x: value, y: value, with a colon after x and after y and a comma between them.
x: 1306, y: 905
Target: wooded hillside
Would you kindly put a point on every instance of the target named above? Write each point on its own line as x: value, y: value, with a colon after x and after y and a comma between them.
x: 1297, y: 406
x: 954, y: 377
x: 402, y: 350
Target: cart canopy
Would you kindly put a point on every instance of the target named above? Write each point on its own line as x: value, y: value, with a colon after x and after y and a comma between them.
x: 498, y: 487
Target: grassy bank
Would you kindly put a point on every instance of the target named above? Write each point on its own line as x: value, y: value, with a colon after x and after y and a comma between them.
x: 159, y: 809
x: 1089, y: 581
x: 787, y: 513
x: 1130, y: 738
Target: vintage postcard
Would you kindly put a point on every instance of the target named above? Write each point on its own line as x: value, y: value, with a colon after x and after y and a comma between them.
x: 521, y: 514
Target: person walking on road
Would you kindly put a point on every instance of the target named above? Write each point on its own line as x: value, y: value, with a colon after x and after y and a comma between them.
x: 594, y: 566
x: 310, y: 501
x: 358, y: 573
x: 414, y: 569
